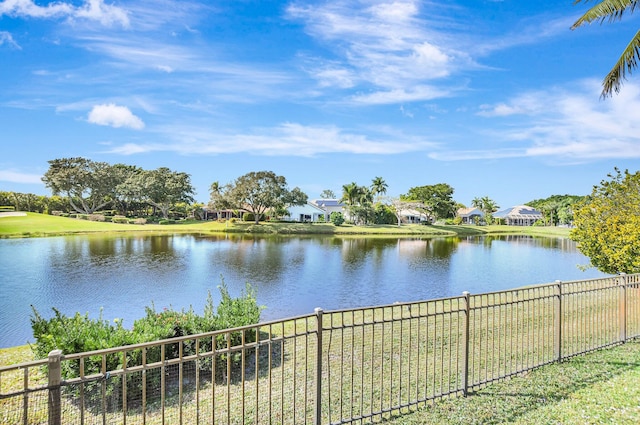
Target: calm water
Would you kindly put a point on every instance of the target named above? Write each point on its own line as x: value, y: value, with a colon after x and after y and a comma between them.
x: 293, y: 275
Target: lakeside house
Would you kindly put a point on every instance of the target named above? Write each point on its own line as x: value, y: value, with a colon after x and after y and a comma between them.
x: 470, y: 215
x: 521, y: 215
x: 306, y: 213
x: 411, y: 216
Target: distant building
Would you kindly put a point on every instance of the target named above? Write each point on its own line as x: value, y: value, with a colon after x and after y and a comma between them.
x: 468, y: 215
x: 329, y: 206
x: 521, y: 215
x: 305, y: 213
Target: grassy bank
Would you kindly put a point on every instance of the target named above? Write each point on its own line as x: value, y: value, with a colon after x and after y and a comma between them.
x: 42, y: 225
x: 600, y: 387
x: 596, y: 388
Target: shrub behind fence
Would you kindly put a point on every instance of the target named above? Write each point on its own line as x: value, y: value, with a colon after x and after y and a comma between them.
x: 358, y: 365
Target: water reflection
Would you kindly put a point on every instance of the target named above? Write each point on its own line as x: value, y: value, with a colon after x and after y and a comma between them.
x: 123, y: 274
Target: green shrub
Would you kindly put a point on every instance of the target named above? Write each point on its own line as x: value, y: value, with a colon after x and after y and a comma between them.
x: 79, y: 333
x: 248, y: 217
x: 108, y: 219
x: 167, y: 221
x: 73, y: 215
x: 82, y: 216
x: 336, y: 218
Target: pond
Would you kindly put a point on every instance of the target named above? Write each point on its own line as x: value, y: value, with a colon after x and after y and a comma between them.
x: 117, y: 276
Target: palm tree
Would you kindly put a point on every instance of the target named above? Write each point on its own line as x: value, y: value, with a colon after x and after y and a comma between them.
x: 379, y: 186
x: 350, y: 193
x: 487, y: 205
x: 612, y: 10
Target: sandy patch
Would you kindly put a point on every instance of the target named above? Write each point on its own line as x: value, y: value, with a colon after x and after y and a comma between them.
x: 12, y: 214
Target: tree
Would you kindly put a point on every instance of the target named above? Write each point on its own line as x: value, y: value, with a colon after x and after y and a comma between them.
x: 487, y: 205
x: 350, y: 193
x: 437, y: 199
x: 256, y: 192
x: 398, y: 205
x: 378, y: 186
x: 327, y: 194
x: 161, y: 188
x: 89, y: 185
x: 612, y: 10
x: 608, y: 224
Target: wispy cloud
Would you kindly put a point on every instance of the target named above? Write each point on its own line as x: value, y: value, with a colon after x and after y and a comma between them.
x: 288, y: 139
x: 114, y: 116
x: 386, y: 45
x: 90, y: 10
x: 7, y: 38
x: 562, y: 126
x: 17, y: 177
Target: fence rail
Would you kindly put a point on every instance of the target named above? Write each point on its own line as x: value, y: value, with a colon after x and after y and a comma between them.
x: 330, y: 367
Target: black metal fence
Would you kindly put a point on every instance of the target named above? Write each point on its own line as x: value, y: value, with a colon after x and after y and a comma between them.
x: 358, y: 365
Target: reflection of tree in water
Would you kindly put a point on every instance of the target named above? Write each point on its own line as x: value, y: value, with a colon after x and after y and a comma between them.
x: 357, y: 250
x: 263, y: 259
x: 563, y: 244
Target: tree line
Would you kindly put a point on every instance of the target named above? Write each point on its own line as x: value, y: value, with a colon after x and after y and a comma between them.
x: 84, y: 186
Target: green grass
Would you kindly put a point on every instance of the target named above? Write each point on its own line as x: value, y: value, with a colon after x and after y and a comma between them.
x: 596, y: 388
x: 602, y: 387
x: 40, y: 225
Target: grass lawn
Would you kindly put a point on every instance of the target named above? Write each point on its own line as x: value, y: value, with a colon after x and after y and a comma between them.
x: 40, y: 225
x: 602, y: 387
x: 596, y: 388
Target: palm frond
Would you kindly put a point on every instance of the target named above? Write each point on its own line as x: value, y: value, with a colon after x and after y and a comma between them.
x: 611, y: 10
x: 627, y: 62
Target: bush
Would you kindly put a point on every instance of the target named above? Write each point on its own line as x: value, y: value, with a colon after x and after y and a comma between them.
x: 140, y: 221
x: 336, y: 218
x: 96, y: 217
x: 120, y: 219
x: 79, y: 333
x: 249, y: 217
x: 166, y: 221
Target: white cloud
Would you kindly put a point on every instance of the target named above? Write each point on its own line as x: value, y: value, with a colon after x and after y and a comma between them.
x: 562, y: 126
x: 400, y: 95
x: 17, y: 177
x: 114, y: 116
x: 288, y: 139
x: 7, y: 38
x: 388, y: 45
x: 92, y: 10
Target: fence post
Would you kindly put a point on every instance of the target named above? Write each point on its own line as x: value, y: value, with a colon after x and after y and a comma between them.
x: 622, y: 307
x: 557, y: 325
x: 465, y: 345
x: 318, y: 402
x: 55, y: 379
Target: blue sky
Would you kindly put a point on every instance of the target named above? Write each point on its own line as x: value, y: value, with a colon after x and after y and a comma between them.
x: 495, y: 98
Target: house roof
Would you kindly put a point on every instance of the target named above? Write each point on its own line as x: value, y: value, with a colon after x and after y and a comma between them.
x: 520, y: 211
x: 468, y: 212
x: 327, y: 203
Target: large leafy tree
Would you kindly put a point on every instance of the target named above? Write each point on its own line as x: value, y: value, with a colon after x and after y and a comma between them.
x: 164, y: 188
x: 608, y: 224
x: 89, y: 185
x: 256, y: 192
x: 437, y: 199
x: 611, y: 11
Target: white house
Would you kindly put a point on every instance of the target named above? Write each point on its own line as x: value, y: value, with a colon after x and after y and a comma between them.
x: 413, y: 216
x: 329, y: 206
x: 468, y: 215
x: 521, y: 215
x: 305, y: 213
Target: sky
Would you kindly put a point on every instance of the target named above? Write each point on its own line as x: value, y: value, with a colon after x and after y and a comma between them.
x: 495, y: 98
